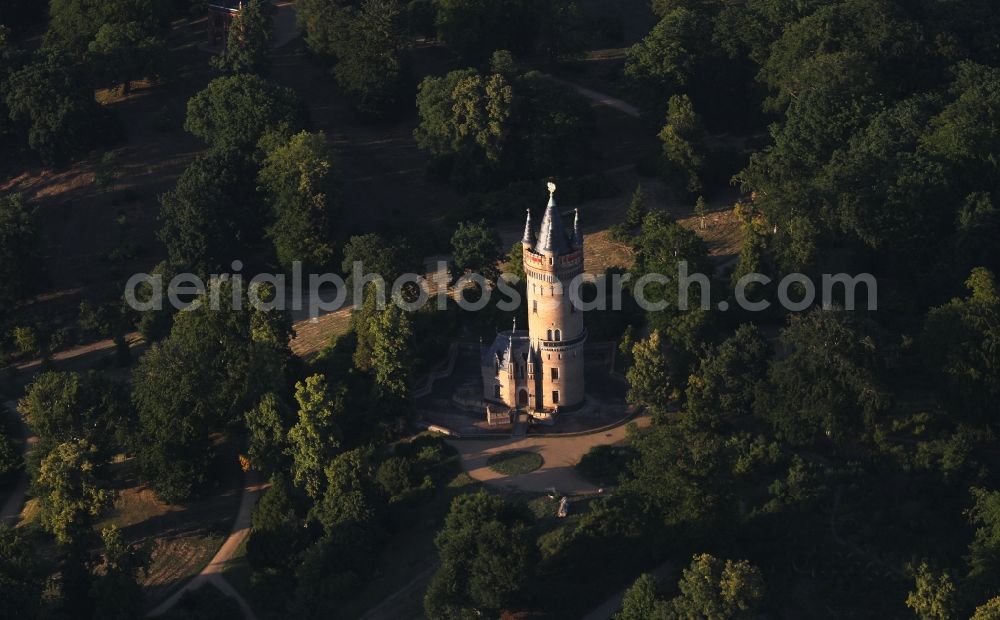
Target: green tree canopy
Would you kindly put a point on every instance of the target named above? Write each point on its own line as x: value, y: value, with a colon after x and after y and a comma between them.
x: 20, y: 253
x: 70, y: 493
x: 370, y: 64
x: 123, y: 52
x: 391, y: 353
x: 315, y: 438
x: 643, y: 601
x: 719, y: 590
x: 680, y: 135
x: 116, y: 590
x: 352, y: 503
x: 73, y: 24
x: 685, y: 471
x: 662, y: 64
x: 66, y: 406
x: 50, y: 101
x: 215, y: 365
x: 22, y: 577
x: 213, y: 215
x: 933, y: 596
x: 496, y: 128
x: 666, y: 248
x: 476, y: 249
x: 984, y: 550
x: 301, y: 185
x: 237, y: 110
x: 277, y: 533
x: 477, y: 28
x: 267, y: 426
x: 725, y: 381
x: 487, y: 556
x: 248, y: 46
x: 377, y: 255
x: 648, y: 380
x: 829, y: 384
x: 957, y: 342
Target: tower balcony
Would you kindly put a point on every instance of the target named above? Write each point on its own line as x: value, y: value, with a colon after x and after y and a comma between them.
x: 561, y: 345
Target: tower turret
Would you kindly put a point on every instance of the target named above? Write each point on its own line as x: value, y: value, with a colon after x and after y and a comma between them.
x: 555, y: 326
x: 577, y: 231
x: 528, y: 239
x: 552, y: 237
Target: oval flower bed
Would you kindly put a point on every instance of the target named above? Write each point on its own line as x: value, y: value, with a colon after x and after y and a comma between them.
x: 515, y: 462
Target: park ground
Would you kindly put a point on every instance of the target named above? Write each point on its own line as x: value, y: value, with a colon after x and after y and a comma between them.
x: 95, y: 240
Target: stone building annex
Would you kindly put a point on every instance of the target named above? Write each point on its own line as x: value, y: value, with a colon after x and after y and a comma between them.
x: 540, y: 371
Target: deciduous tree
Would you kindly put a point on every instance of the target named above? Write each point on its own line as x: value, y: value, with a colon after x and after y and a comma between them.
x: 215, y: 365
x: 116, y: 590
x: 248, y: 45
x: 20, y: 253
x: 476, y: 249
x: 300, y: 184
x: 648, y: 380
x: 237, y: 110
x: 70, y: 493
x: 213, y: 215
x: 829, y: 385
x: 50, y: 100
x: 957, y: 344
x: 314, y: 439
x: 487, y: 555
x: 391, y: 335
x: 680, y: 136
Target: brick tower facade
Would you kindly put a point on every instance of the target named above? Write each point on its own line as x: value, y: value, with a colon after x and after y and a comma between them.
x: 555, y: 326
x: 541, y: 370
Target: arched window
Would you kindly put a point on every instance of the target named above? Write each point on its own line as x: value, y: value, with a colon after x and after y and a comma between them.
x: 496, y: 391
x: 558, y: 335
x: 548, y: 335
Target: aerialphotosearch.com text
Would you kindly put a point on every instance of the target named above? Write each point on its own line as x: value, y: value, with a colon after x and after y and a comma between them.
x: 328, y: 292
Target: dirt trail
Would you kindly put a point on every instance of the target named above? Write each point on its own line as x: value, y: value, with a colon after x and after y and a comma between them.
x: 11, y: 512
x: 213, y: 572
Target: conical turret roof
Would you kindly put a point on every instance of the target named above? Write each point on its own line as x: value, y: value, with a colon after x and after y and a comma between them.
x: 552, y: 237
x: 529, y: 231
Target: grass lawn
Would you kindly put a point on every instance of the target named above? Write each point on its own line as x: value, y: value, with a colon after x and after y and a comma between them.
x: 410, y: 557
x: 183, y: 537
x: 237, y: 570
x: 208, y: 603
x: 515, y: 462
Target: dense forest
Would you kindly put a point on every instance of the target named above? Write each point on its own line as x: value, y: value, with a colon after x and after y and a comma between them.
x: 830, y: 462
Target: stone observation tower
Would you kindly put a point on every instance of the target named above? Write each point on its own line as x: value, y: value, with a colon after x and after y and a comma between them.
x: 541, y: 370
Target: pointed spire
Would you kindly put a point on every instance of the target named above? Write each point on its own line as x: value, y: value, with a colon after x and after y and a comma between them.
x: 577, y: 230
x: 529, y: 231
x: 552, y: 237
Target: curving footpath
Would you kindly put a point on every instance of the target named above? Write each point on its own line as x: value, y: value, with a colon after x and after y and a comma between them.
x: 602, y: 98
x: 212, y: 573
x: 561, y: 454
x: 14, y: 505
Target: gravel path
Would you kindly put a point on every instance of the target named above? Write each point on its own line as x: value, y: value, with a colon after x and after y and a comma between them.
x: 607, y: 100
x: 212, y: 573
x: 561, y: 455
x: 12, y: 507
